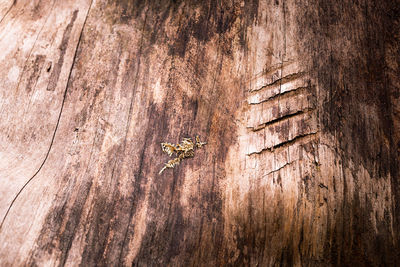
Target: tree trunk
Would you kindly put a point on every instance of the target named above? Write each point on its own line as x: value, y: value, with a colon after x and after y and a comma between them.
x: 298, y: 101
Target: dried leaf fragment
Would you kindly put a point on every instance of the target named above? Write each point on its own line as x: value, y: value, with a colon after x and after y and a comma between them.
x: 183, y: 150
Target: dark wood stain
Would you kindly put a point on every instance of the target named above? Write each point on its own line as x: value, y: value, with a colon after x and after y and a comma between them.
x: 63, y: 48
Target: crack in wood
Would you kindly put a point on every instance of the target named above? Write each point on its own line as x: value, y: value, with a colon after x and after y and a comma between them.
x: 271, y: 70
x: 277, y: 170
x: 63, y: 49
x: 56, y: 127
x: 284, y: 144
x: 282, y: 118
x: 280, y: 81
x: 285, y: 93
x: 8, y: 10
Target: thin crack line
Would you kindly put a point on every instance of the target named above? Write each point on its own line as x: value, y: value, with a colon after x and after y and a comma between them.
x: 281, y: 80
x: 54, y: 133
x: 283, y: 144
x: 292, y: 92
x: 8, y: 11
x: 263, y: 125
x: 91, y: 151
x: 277, y: 170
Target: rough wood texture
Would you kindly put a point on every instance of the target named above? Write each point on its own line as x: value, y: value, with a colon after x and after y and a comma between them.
x: 299, y: 103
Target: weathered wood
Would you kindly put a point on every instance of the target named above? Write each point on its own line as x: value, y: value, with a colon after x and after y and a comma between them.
x: 298, y: 104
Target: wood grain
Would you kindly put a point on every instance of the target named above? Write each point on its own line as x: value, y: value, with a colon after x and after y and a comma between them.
x: 298, y: 104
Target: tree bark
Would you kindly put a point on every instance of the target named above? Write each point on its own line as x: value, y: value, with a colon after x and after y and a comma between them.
x: 298, y: 101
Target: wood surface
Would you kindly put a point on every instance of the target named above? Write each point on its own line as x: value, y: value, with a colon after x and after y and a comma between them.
x: 298, y: 101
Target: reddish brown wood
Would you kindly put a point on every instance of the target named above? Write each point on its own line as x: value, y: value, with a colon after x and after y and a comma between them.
x: 298, y: 103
